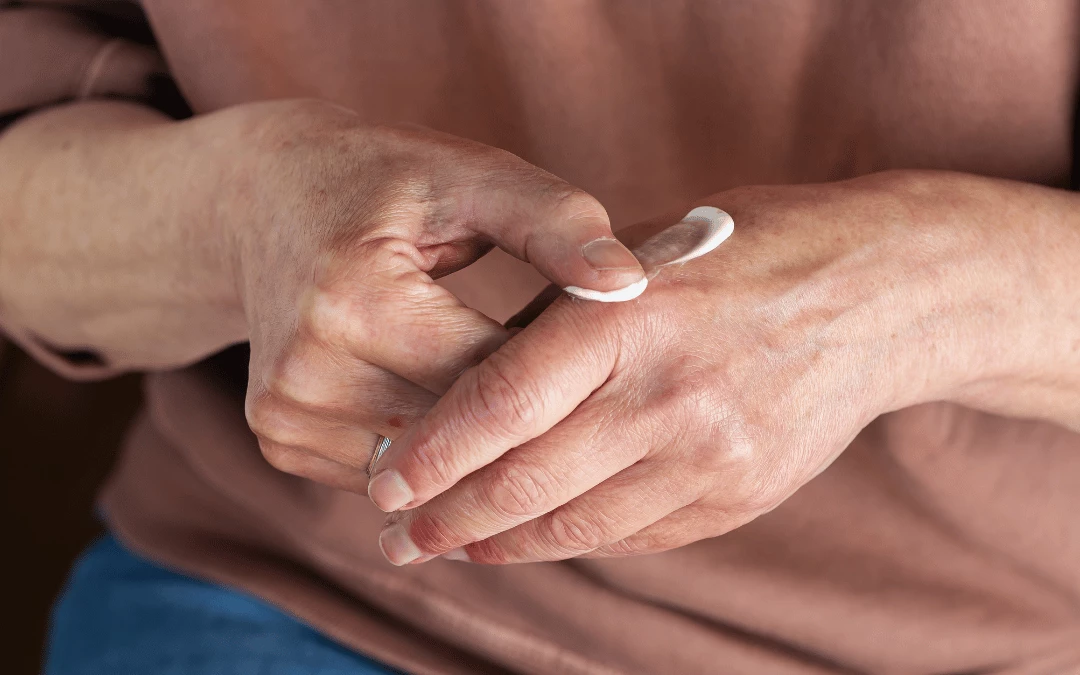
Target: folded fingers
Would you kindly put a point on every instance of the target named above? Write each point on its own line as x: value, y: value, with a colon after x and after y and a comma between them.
x: 681, y: 528
x: 627, y: 503
x: 546, y: 499
x: 518, y: 393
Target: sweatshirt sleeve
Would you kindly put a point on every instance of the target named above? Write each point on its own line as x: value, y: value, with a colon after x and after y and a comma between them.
x: 54, y: 52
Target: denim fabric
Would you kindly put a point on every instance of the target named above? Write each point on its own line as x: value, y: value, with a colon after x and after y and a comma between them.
x: 122, y: 614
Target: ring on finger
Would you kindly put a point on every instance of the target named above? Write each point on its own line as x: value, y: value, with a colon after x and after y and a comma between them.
x: 381, y: 446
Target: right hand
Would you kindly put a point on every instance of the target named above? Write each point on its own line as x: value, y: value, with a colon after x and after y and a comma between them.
x: 340, y: 229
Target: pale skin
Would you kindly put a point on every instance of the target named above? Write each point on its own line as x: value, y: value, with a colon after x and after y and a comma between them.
x: 603, y: 428
x: 291, y: 225
x: 610, y: 430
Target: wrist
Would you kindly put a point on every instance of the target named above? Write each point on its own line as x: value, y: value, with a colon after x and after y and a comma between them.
x: 990, y: 294
x: 110, y: 242
x: 267, y: 228
x: 1025, y: 341
x: 904, y: 283
x: 214, y: 178
x: 255, y: 196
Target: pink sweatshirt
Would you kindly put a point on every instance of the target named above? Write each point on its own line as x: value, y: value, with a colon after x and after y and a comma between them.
x: 942, y: 540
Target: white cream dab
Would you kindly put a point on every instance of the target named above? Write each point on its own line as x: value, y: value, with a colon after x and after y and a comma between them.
x: 618, y: 295
x: 706, y: 226
x: 716, y: 226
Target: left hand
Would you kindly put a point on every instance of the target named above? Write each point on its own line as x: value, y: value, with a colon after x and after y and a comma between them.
x: 618, y: 429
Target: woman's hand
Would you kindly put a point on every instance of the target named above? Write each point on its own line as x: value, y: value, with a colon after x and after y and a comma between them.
x: 607, y: 430
x: 341, y: 231
x: 290, y: 224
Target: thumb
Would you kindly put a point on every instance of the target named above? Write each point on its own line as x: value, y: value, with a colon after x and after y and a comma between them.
x: 698, y: 233
x: 561, y: 231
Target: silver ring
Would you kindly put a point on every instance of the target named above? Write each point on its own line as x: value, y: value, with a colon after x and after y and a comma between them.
x: 380, y: 449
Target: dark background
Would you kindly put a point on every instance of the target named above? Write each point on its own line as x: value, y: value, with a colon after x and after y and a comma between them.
x: 57, y: 442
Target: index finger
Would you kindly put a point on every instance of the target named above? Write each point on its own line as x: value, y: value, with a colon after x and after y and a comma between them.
x: 530, y: 384
x: 522, y: 390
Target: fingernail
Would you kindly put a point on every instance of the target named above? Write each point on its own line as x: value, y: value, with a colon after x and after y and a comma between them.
x: 457, y: 554
x: 396, y: 545
x: 389, y: 490
x: 608, y: 254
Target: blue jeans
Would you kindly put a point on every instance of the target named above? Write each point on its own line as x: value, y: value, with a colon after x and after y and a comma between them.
x: 122, y: 614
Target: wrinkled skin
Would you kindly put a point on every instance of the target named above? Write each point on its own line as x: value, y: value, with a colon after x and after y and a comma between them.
x: 609, y: 430
x: 340, y: 232
x: 153, y: 243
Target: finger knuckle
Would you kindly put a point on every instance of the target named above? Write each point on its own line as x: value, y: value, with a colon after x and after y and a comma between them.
x: 274, y: 420
x: 435, y: 533
x: 725, y: 471
x: 712, y: 432
x: 570, y: 203
x: 516, y: 491
x: 327, y: 316
x: 506, y: 403
x: 636, y: 545
x: 261, y: 413
x: 490, y: 551
x: 752, y: 494
x: 689, y: 393
x: 294, y: 380
x: 431, y: 458
x: 573, y: 535
x: 281, y: 457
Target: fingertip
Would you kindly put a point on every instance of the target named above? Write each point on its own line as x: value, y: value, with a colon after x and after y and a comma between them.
x: 389, y: 491
x: 608, y: 254
x: 601, y: 265
x: 397, y: 546
x: 613, y: 265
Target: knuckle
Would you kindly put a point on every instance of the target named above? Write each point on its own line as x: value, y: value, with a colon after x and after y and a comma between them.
x: 434, y: 533
x: 752, y: 494
x: 490, y: 551
x: 717, y: 469
x: 281, y: 457
x: 427, y: 457
x: 572, y: 204
x: 273, y: 421
x: 260, y: 413
x: 515, y: 491
x: 636, y: 545
x: 497, y: 167
x: 712, y: 433
x: 574, y: 535
x: 293, y: 379
x: 327, y: 316
x: 690, y: 392
x: 506, y: 404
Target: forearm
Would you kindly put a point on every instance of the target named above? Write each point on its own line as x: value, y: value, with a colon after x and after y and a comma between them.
x: 1019, y: 328
x: 112, y: 234
x: 940, y: 286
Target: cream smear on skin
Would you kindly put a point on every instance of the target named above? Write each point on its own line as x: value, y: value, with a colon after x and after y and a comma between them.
x: 698, y: 233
